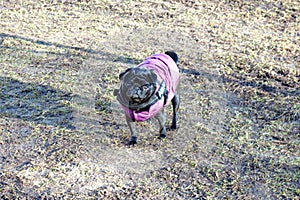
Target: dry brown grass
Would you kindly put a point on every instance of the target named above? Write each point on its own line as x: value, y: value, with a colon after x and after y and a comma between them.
x: 61, y: 131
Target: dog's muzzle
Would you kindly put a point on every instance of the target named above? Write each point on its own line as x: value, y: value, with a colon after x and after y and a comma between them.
x: 161, y: 92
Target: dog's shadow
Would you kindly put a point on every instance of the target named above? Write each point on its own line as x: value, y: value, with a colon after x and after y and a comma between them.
x: 35, y: 103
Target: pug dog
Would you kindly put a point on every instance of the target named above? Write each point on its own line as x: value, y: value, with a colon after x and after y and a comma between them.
x: 147, y: 89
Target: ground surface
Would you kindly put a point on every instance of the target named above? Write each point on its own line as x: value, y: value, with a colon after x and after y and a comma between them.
x: 62, y: 133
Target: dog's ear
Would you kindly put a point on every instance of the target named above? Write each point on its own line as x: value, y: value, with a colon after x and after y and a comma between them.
x: 121, y: 75
x: 151, y: 76
x: 116, y: 92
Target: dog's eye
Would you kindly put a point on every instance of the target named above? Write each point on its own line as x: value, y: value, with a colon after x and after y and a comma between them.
x: 145, y: 87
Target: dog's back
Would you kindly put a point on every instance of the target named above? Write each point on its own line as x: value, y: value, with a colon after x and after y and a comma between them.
x: 166, y: 69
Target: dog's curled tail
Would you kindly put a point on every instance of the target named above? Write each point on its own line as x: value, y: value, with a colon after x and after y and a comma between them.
x: 173, y: 55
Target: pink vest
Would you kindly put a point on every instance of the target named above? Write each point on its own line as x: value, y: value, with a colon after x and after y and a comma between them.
x: 166, y: 70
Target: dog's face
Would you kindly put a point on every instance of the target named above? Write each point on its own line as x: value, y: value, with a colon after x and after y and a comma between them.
x: 138, y: 85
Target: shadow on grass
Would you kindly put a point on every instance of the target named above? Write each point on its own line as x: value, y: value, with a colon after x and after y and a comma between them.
x: 35, y: 103
x: 96, y: 54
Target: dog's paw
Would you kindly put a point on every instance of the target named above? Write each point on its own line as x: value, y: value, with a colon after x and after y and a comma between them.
x: 133, y: 141
x: 163, y: 133
x: 174, y: 127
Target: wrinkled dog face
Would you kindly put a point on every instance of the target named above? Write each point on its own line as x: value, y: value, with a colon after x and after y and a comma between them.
x: 138, y: 85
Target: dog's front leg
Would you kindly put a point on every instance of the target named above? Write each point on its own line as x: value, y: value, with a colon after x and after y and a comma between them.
x: 161, y: 117
x: 131, y: 124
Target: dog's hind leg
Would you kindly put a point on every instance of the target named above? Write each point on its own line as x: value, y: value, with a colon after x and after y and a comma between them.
x: 161, y: 117
x: 175, y: 104
x: 132, y: 127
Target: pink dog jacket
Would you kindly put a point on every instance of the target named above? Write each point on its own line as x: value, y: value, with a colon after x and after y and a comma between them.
x: 167, y: 71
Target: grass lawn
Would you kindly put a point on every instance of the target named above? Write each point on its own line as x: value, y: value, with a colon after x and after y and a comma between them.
x: 63, y: 134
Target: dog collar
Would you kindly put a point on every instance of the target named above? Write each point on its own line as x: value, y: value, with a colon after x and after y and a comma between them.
x: 161, y: 92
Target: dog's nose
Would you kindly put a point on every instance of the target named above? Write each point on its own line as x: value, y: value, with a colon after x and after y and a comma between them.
x: 136, y: 93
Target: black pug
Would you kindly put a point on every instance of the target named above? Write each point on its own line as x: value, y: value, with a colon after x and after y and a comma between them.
x: 146, y: 89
